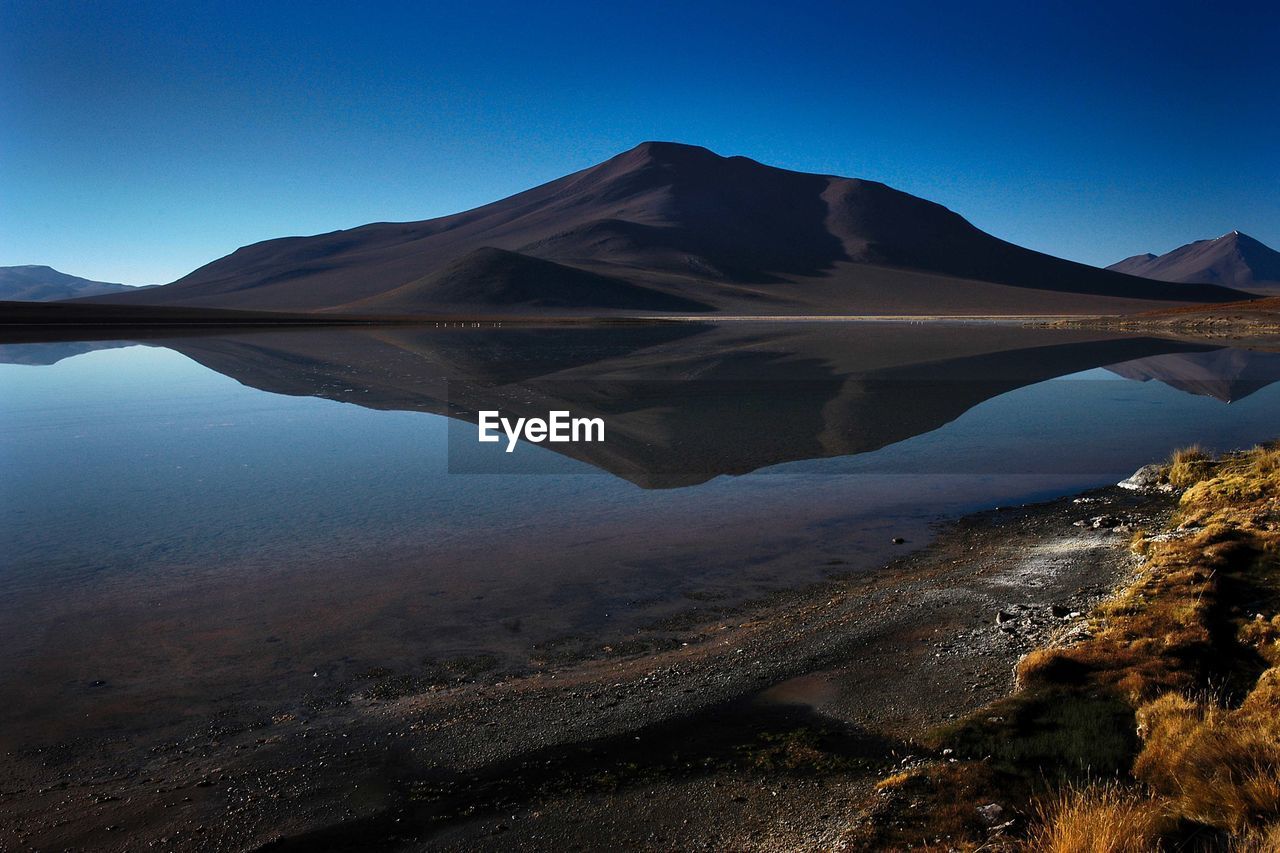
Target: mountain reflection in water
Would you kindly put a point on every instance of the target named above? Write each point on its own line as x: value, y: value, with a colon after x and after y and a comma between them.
x: 684, y: 404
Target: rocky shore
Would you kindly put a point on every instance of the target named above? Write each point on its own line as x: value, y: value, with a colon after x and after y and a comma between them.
x: 765, y: 726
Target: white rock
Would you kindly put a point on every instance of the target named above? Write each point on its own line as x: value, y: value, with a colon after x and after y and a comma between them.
x: 1145, y: 478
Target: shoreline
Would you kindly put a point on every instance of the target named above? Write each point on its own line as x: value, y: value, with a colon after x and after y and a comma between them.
x: 14, y: 315
x: 1244, y: 332
x: 803, y: 691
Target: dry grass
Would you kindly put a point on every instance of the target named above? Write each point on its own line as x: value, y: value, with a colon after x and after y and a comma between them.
x: 926, y: 808
x: 1264, y: 839
x: 895, y: 781
x: 1188, y: 466
x: 1217, y: 766
x: 1156, y: 636
x: 1203, y: 610
x: 1264, y: 635
x: 1241, y: 478
x: 1097, y: 819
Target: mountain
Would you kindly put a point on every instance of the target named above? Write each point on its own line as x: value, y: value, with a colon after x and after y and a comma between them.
x: 1232, y: 260
x: 45, y: 284
x: 667, y: 227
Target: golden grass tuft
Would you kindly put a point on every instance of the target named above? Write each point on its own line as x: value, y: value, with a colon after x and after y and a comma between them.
x: 897, y: 780
x: 1188, y: 466
x: 1217, y: 766
x: 1097, y: 819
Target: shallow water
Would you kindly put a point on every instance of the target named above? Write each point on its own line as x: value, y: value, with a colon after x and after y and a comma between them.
x: 241, y: 522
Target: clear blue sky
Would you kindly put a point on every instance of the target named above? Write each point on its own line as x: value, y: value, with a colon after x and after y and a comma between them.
x: 140, y: 140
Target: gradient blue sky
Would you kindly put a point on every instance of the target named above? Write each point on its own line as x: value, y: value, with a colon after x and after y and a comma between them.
x: 140, y: 140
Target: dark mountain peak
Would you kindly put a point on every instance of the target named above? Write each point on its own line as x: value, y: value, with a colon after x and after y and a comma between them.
x: 658, y: 151
x: 656, y: 163
x: 677, y: 163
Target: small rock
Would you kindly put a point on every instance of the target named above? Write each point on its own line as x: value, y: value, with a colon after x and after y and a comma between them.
x: 991, y: 814
x: 1004, y: 616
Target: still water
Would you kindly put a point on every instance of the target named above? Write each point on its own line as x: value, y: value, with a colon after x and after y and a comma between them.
x: 250, y: 521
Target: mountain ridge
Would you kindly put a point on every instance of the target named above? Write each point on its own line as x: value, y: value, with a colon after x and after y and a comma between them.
x: 41, y: 283
x: 681, y: 223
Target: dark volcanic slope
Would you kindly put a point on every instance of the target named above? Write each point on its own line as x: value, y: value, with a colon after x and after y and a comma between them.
x: 680, y: 220
x: 33, y: 283
x: 1232, y: 260
x: 491, y: 279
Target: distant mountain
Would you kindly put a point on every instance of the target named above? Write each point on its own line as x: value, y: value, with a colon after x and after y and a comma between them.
x: 1232, y: 260
x: 45, y: 284
x: 666, y: 227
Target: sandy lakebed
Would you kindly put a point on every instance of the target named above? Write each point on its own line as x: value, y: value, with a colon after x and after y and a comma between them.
x: 762, y: 726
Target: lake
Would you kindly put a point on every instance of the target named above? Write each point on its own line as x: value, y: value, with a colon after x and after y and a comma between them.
x: 252, y: 523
